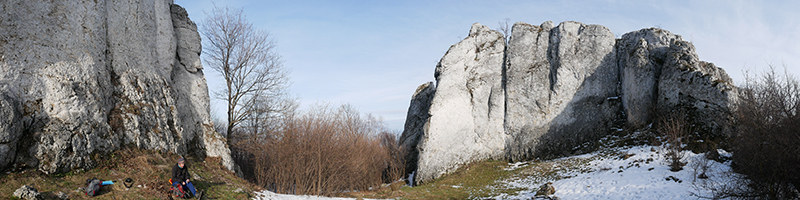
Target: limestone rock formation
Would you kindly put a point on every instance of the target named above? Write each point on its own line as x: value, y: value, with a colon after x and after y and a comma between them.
x: 641, y: 58
x: 561, y: 87
x: 466, y: 113
x: 94, y: 76
x: 416, y: 119
x: 700, y: 90
x: 555, y: 90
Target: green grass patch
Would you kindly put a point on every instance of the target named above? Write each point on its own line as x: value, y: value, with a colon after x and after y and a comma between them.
x: 473, y: 181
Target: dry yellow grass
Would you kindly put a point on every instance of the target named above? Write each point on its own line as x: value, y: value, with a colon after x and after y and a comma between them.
x: 150, y: 171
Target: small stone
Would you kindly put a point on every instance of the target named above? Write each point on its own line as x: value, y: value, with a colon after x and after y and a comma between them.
x: 27, y: 192
x: 196, y: 176
x: 238, y: 190
x: 546, y: 189
x: 62, y: 195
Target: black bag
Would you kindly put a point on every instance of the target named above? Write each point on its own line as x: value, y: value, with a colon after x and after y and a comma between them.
x: 93, y: 186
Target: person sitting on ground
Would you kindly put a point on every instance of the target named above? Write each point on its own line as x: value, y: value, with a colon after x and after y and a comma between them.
x: 180, y: 175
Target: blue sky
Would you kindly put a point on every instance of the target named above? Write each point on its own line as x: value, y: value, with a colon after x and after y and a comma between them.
x: 374, y: 54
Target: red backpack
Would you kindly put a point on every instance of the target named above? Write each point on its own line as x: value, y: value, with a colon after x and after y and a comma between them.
x: 93, y: 186
x: 177, y: 190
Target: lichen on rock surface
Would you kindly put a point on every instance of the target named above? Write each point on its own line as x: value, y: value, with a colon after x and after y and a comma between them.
x: 95, y: 76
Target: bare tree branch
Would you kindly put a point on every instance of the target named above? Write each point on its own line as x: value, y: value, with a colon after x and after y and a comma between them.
x: 505, y: 28
x: 255, y: 79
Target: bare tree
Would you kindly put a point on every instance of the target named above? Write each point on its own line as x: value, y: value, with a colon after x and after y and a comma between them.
x: 247, y: 60
x: 505, y: 28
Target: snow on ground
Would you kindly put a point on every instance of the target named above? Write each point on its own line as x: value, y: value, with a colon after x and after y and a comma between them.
x: 267, y: 195
x: 639, y: 172
x: 636, y: 173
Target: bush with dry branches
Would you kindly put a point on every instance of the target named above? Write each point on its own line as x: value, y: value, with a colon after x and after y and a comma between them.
x: 767, y: 135
x: 675, y: 128
x: 323, y: 151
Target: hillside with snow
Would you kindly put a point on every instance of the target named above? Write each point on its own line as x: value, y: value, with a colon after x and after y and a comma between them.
x: 635, y: 172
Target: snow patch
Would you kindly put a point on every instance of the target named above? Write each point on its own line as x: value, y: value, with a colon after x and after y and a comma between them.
x: 639, y: 173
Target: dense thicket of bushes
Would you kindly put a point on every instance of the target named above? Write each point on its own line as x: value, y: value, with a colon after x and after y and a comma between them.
x: 766, y: 143
x: 321, y: 151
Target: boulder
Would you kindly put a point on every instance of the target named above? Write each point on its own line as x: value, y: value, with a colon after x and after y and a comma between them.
x: 92, y: 77
x: 546, y: 189
x: 27, y: 192
x: 466, y: 113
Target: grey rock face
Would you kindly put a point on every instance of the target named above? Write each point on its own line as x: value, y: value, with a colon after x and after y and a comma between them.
x: 10, y: 129
x: 700, y: 90
x: 416, y: 120
x: 641, y: 58
x: 27, y: 192
x: 466, y: 113
x: 92, y: 77
x: 561, y: 87
x: 191, y: 93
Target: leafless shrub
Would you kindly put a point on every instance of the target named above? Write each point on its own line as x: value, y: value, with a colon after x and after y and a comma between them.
x: 505, y: 28
x: 674, y: 128
x: 323, y: 151
x: 395, y: 169
x: 700, y: 165
x: 767, y: 136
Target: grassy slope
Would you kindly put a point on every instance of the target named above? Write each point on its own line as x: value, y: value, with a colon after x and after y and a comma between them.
x: 481, y: 180
x: 149, y: 169
x: 490, y: 178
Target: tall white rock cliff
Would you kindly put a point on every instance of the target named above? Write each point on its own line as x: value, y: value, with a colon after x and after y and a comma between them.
x: 90, y: 77
x: 466, y: 113
x: 555, y: 89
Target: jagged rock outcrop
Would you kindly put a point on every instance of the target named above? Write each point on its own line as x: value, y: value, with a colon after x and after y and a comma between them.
x: 95, y: 76
x: 192, y: 93
x: 700, y: 90
x: 641, y: 58
x: 663, y: 76
x: 466, y: 113
x: 562, y: 87
x: 416, y: 118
